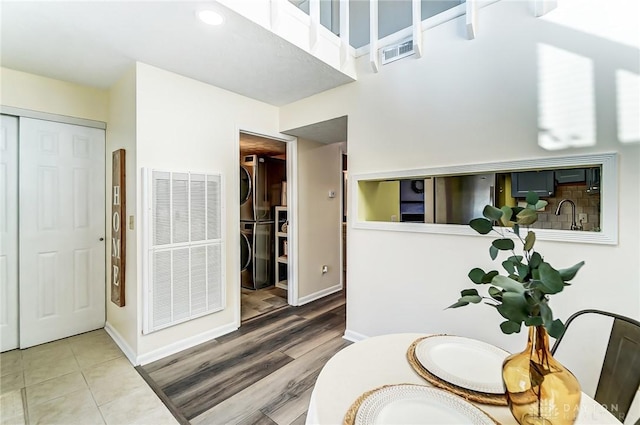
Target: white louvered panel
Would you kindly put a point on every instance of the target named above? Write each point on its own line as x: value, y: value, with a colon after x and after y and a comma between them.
x: 185, y: 255
x: 214, y: 277
x: 198, y: 280
x: 180, y: 286
x: 161, y: 208
x: 214, y: 210
x: 180, y: 207
x: 198, y: 207
x: 161, y: 287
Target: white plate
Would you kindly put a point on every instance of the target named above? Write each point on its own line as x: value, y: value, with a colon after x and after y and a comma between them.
x: 415, y: 404
x: 465, y: 362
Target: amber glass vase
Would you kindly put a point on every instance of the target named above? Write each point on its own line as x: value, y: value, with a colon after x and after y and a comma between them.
x: 539, y: 389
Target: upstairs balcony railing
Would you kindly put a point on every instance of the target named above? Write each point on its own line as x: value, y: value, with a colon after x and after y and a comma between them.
x: 338, y: 31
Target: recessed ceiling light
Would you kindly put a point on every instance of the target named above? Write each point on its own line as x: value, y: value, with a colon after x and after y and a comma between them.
x: 210, y: 17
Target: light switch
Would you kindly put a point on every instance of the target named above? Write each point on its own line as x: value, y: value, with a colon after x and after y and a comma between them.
x: 130, y: 222
x: 332, y: 194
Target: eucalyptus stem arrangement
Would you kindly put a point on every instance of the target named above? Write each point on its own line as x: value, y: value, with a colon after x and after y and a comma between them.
x: 521, y: 296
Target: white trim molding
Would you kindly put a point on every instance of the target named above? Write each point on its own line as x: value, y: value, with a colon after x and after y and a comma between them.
x: 416, y: 14
x: 314, y: 30
x: 432, y: 22
x: 373, y: 35
x: 353, y: 336
x: 609, y: 197
x: 274, y: 15
x: 184, y: 344
x: 46, y: 116
x: 346, y: 51
x: 121, y: 343
x: 542, y: 7
x: 292, y: 217
x: 320, y: 294
x: 472, y: 19
x: 292, y: 210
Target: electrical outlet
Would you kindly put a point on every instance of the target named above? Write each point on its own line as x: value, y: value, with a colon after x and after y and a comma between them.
x: 582, y: 218
x: 325, y: 269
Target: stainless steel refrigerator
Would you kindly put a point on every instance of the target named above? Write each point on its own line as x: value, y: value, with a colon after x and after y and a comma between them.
x: 459, y: 199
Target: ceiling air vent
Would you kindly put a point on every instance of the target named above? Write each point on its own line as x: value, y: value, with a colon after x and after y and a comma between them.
x: 397, y: 51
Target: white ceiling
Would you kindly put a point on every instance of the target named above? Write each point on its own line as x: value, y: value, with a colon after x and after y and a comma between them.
x: 93, y: 42
x: 329, y: 131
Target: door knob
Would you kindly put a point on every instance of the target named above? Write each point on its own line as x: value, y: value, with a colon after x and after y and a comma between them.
x: 101, y: 239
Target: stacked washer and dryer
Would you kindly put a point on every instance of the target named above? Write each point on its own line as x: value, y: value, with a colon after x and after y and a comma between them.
x: 260, y: 182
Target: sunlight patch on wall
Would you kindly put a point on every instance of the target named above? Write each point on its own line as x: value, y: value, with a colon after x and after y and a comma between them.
x: 615, y: 20
x: 628, y: 95
x: 566, y: 104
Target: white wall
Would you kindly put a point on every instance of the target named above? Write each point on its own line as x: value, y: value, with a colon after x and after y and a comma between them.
x: 294, y: 26
x: 319, y: 218
x: 121, y: 134
x: 28, y: 91
x: 164, y: 120
x: 470, y: 102
x: 183, y: 124
x: 36, y: 93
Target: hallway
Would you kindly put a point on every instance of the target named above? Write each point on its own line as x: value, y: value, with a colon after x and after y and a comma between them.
x: 261, y: 374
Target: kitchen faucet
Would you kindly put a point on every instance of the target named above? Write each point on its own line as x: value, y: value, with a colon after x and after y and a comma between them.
x: 574, y: 226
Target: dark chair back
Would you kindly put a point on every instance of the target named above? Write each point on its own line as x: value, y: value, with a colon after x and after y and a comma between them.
x: 620, y: 374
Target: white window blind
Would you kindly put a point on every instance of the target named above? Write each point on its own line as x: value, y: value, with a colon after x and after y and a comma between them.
x: 184, y: 265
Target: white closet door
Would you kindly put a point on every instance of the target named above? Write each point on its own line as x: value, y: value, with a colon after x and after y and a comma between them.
x: 8, y: 233
x: 62, y: 226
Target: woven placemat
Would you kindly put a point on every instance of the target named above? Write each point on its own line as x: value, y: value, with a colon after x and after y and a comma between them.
x: 350, y: 416
x: 471, y: 395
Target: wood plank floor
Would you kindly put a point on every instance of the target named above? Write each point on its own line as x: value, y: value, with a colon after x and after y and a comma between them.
x: 261, y: 374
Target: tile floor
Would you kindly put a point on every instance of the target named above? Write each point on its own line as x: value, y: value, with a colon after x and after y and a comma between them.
x: 261, y: 301
x: 83, y: 379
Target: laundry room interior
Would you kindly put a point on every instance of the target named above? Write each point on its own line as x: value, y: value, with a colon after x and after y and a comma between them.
x: 263, y: 225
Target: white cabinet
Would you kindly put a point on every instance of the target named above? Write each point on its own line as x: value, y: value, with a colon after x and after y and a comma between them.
x: 281, y: 247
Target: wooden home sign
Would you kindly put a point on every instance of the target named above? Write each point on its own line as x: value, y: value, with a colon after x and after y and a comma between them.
x: 118, y: 232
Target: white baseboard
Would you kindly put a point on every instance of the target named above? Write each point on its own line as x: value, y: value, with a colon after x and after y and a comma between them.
x: 353, y: 336
x: 120, y: 342
x: 183, y: 344
x: 317, y: 295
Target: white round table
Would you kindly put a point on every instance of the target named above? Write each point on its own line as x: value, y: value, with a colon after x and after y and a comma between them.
x: 382, y: 360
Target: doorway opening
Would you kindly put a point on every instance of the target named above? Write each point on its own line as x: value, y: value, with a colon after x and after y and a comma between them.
x: 319, y: 227
x: 264, y: 247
